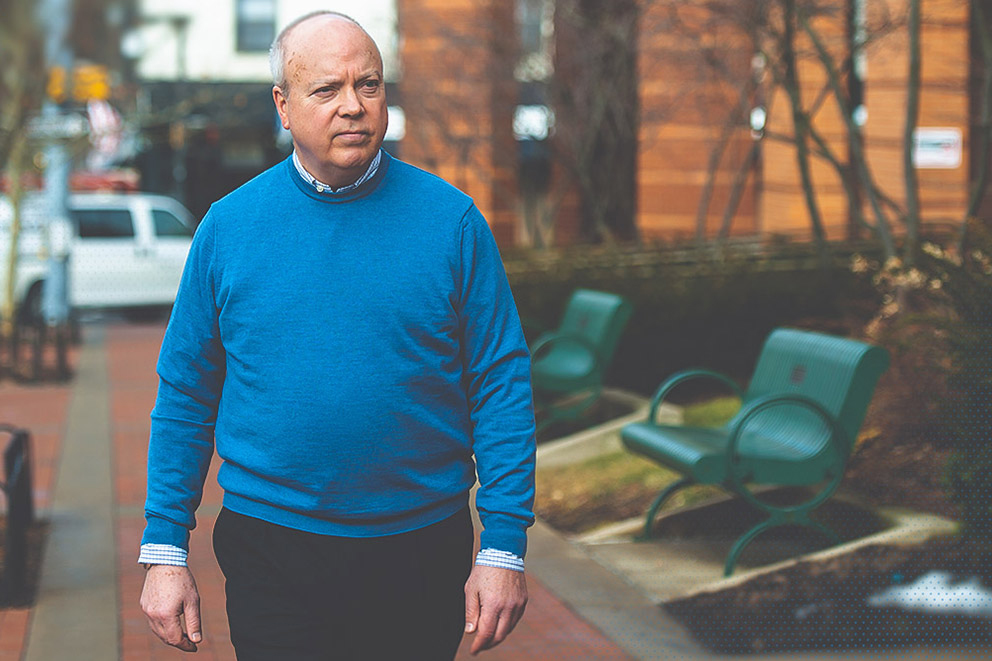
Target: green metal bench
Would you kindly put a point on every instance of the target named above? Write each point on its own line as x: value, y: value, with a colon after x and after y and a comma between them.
x: 568, y: 365
x: 798, y: 420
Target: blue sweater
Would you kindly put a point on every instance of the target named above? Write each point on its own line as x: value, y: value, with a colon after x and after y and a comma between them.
x: 348, y: 355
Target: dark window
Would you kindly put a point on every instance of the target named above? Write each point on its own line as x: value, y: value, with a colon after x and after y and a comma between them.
x: 104, y: 223
x: 167, y: 224
x: 530, y: 15
x: 256, y: 21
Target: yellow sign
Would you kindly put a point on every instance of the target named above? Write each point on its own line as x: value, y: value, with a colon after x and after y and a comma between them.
x: 89, y: 81
x: 56, y: 84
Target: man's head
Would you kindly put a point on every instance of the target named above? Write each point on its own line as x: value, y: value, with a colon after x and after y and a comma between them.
x: 330, y: 94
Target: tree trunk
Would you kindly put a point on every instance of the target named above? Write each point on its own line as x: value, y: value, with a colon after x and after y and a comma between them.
x: 596, y: 99
x: 912, y: 118
x: 859, y: 161
x: 800, y: 122
x: 983, y: 36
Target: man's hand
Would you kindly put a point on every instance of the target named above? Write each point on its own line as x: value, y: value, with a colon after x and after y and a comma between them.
x: 172, y: 605
x: 494, y: 601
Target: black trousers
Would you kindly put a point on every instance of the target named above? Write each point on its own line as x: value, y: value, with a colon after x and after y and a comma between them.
x: 298, y: 596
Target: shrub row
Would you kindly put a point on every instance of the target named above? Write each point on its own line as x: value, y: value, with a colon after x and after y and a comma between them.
x: 693, y: 308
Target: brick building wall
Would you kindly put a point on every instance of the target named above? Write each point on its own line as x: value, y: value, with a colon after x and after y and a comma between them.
x: 685, y: 105
x: 783, y: 205
x: 975, y: 104
x: 945, y: 69
x: 459, y: 94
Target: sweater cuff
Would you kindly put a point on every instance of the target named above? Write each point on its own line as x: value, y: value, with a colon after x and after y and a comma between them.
x: 500, y: 559
x: 503, y: 532
x: 162, y: 554
x: 164, y: 532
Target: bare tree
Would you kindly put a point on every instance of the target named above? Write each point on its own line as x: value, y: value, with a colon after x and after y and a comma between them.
x: 21, y: 81
x: 982, y: 29
x: 596, y: 100
x: 791, y: 40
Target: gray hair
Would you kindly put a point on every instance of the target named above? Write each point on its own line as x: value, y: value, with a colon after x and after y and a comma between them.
x: 277, y: 54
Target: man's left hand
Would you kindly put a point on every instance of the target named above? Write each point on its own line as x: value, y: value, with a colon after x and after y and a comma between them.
x: 494, y: 601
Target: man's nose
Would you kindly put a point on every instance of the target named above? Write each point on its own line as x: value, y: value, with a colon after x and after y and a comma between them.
x: 351, y: 104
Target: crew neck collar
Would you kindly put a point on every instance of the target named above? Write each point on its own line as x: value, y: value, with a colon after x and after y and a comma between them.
x: 321, y: 187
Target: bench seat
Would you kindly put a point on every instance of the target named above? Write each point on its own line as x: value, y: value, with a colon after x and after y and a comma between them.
x: 701, y: 453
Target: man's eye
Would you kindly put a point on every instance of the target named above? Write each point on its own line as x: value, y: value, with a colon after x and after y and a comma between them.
x: 371, y: 84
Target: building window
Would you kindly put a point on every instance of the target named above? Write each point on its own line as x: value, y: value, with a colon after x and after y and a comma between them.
x: 256, y: 21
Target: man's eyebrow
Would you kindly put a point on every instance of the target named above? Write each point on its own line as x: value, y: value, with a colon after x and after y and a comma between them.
x: 325, y: 82
x: 337, y: 81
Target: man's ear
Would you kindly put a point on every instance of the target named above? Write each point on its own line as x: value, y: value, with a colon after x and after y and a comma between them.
x: 280, y: 100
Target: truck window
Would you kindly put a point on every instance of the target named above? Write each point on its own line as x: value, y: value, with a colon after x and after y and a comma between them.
x: 104, y: 223
x: 166, y: 224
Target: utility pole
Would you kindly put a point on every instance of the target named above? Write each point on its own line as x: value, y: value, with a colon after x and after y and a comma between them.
x: 55, y: 17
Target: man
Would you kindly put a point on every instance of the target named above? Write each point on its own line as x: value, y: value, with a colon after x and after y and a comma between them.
x: 345, y: 335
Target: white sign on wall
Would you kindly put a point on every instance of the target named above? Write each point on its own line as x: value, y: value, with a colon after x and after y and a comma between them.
x: 937, y: 148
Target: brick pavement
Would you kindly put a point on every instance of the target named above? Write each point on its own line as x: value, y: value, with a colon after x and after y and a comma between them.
x: 41, y: 409
x: 549, y: 630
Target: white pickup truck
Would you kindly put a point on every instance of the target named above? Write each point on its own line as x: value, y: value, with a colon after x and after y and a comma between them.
x: 126, y: 250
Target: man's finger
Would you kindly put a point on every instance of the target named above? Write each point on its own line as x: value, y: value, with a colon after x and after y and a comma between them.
x: 471, y: 611
x: 170, y: 630
x: 507, y: 620
x: 191, y: 614
x: 488, y: 621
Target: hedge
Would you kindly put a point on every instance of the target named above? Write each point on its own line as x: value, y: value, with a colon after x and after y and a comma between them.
x: 693, y: 307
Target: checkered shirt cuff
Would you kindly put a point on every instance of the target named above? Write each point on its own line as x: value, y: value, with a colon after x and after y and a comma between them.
x: 162, y: 554
x: 501, y: 559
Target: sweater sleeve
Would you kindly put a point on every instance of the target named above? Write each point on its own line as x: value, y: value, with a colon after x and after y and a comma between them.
x: 191, y: 369
x: 497, y: 382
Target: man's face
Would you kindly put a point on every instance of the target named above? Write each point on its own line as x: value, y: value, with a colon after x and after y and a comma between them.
x: 335, y: 106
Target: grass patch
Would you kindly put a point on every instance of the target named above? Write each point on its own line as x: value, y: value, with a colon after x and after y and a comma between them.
x: 619, y: 485
x: 711, y: 413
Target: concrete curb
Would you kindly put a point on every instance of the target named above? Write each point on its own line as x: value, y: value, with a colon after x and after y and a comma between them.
x: 76, y: 616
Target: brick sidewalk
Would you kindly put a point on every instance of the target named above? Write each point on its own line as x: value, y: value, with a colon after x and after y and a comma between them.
x: 549, y: 630
x: 42, y: 410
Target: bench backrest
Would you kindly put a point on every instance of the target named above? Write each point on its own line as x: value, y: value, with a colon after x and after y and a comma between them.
x: 838, y: 373
x: 597, y: 316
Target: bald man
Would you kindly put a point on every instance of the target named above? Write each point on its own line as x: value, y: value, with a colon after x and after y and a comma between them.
x: 345, y: 336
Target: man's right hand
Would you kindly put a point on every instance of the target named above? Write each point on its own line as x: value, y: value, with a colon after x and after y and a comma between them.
x: 172, y: 605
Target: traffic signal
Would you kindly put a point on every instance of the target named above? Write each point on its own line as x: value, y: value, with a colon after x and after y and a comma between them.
x: 89, y: 82
x: 56, y: 84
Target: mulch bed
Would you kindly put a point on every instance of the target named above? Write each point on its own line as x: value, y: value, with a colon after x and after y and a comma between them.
x: 823, y: 604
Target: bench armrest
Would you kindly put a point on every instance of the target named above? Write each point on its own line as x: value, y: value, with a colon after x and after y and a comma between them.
x: 835, y: 439
x: 546, y: 341
x: 669, y: 384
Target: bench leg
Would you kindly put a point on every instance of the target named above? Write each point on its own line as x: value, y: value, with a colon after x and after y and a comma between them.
x: 656, y: 505
x: 776, y: 519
